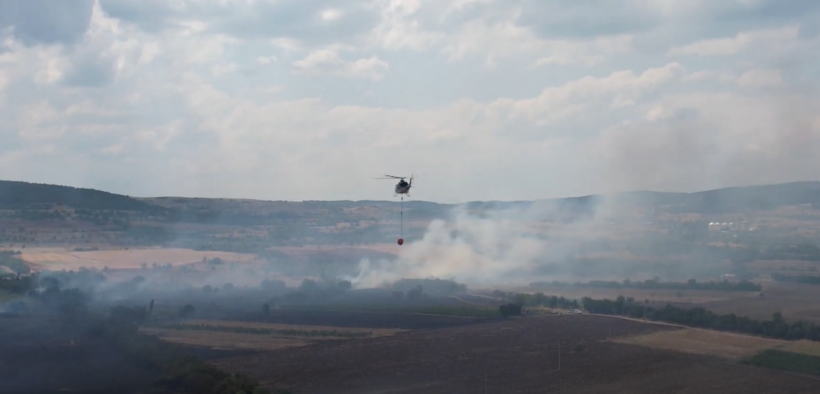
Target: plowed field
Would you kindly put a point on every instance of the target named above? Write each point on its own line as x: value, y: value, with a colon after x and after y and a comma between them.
x: 514, y: 356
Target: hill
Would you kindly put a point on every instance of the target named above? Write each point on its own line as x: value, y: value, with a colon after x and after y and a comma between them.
x: 37, y: 214
x: 24, y: 195
x: 33, y: 196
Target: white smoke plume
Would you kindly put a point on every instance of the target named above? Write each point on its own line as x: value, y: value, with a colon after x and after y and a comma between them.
x: 500, y: 247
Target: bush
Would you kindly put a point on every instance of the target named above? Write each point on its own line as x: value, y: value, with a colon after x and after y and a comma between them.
x: 186, y: 310
x: 510, y: 309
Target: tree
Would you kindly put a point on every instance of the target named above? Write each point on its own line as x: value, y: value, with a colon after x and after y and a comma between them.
x: 414, y: 293
x: 308, y: 285
x: 510, y: 309
x: 187, y: 310
x: 272, y: 285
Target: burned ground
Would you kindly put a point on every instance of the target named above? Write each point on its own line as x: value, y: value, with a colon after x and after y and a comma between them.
x: 38, y: 356
x: 370, y: 319
x: 517, y: 355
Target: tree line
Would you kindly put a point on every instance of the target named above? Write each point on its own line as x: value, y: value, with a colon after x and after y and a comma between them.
x: 537, y: 299
x: 809, y: 279
x: 692, y: 284
x: 776, y: 327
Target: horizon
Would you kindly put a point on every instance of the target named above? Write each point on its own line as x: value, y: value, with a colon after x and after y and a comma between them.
x: 420, y: 200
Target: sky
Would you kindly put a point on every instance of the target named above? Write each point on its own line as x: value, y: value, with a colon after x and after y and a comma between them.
x: 484, y: 99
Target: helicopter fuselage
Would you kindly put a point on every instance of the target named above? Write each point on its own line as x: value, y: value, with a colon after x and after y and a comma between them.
x: 402, y: 189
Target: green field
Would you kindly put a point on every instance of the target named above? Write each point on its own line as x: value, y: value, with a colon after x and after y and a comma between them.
x: 786, y: 361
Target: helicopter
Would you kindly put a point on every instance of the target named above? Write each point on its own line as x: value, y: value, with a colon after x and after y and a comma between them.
x: 403, y: 187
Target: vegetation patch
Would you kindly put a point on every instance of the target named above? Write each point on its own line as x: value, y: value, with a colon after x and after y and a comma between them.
x: 269, y: 331
x: 692, y: 284
x: 777, y: 327
x: 12, y: 260
x: 807, y: 279
x: 706, y: 342
x: 786, y: 361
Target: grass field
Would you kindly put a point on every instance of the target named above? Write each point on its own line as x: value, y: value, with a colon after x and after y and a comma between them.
x: 225, y: 340
x: 786, y: 361
x: 240, y: 335
x: 716, y: 343
x: 298, y: 331
x: 57, y: 259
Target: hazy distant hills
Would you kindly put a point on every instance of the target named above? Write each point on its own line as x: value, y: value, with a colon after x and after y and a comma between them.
x: 37, y: 214
x: 31, y: 196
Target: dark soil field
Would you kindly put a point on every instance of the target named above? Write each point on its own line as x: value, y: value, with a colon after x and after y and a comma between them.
x: 513, y: 356
x: 370, y: 319
x: 36, y: 356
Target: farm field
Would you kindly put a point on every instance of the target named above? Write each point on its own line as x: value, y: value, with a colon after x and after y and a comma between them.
x: 716, y: 343
x: 309, y: 249
x: 795, y: 301
x: 373, y: 333
x: 362, y: 319
x: 229, y: 335
x: 57, y: 259
x: 216, y: 340
x: 516, y: 355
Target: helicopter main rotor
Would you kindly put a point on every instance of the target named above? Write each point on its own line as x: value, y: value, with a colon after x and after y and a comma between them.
x: 391, y: 177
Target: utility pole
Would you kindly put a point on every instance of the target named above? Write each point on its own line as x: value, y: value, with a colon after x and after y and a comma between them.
x: 559, y: 356
x: 644, y: 313
x: 610, y: 329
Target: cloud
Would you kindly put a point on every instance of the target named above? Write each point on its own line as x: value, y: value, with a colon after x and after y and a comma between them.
x: 327, y: 62
x: 65, y: 21
x: 713, y: 140
x: 309, y: 100
x: 769, y: 38
x: 760, y: 79
x: 318, y: 22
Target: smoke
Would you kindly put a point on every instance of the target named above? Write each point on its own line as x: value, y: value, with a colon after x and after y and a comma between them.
x: 497, y: 246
